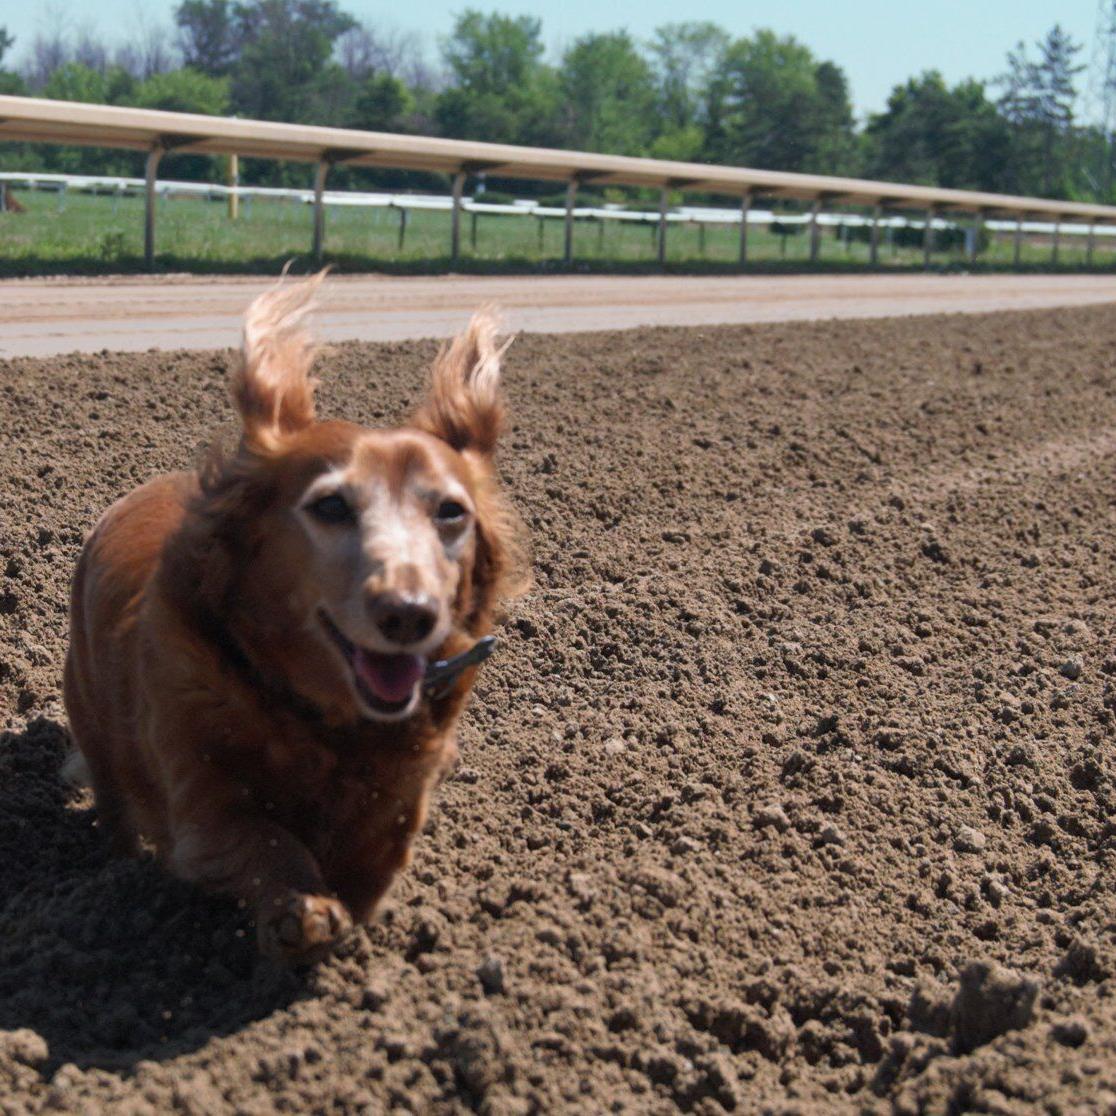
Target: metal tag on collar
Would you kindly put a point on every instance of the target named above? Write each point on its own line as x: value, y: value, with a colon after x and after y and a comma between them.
x: 441, y: 675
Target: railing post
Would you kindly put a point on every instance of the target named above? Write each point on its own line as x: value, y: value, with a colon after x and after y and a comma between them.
x: 815, y: 231
x: 1089, y: 246
x: 234, y: 181
x: 928, y: 237
x: 320, y: 172
x: 874, y: 236
x: 664, y: 205
x: 745, y: 206
x: 571, y: 195
x: 455, y: 218
x: 1054, y: 246
x: 402, y: 227
x: 153, y: 157
x: 973, y: 245
x: 1017, y: 251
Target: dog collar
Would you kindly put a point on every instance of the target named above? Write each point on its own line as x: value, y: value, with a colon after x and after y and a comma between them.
x: 442, y: 675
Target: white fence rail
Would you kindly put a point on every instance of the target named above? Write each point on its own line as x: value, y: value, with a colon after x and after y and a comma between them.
x: 117, y: 186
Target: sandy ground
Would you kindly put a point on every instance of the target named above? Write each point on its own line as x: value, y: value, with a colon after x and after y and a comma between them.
x: 51, y: 316
x: 791, y: 790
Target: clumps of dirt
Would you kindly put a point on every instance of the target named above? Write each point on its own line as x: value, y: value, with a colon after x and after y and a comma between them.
x: 791, y: 788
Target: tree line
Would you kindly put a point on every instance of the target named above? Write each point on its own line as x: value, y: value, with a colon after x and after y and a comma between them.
x: 692, y: 92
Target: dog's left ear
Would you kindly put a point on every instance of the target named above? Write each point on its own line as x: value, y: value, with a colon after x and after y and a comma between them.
x: 272, y: 387
x: 464, y: 405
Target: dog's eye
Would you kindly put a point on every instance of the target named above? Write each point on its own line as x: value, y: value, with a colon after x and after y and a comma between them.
x: 331, y: 509
x: 450, y: 512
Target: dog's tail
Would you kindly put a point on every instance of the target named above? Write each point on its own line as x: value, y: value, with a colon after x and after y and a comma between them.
x: 75, y: 770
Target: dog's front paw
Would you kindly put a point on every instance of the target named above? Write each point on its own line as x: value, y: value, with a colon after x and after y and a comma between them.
x: 300, y: 929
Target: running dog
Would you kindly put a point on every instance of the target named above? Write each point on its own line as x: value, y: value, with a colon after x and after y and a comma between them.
x: 269, y: 656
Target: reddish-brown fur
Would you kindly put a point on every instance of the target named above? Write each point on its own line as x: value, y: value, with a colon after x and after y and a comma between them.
x: 215, y: 720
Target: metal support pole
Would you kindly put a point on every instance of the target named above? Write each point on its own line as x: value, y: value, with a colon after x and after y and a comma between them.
x: 473, y: 231
x: 320, y: 172
x: 978, y: 232
x: 815, y: 231
x: 745, y: 206
x: 3, y: 198
x: 664, y: 204
x: 455, y: 216
x: 402, y: 227
x: 571, y: 195
x: 928, y: 237
x: 1017, y: 251
x: 153, y: 157
x: 234, y: 181
x: 874, y: 236
x: 1089, y: 246
x: 701, y: 239
x: 1054, y: 246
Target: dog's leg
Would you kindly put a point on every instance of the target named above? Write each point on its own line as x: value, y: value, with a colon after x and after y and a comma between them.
x: 267, y: 867
x: 113, y: 817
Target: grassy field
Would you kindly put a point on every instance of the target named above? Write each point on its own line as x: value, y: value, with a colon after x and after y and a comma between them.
x: 76, y: 233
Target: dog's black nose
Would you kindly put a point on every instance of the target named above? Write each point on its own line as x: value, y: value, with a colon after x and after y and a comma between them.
x: 402, y: 618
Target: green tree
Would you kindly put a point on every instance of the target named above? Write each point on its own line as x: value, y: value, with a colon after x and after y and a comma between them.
x: 1038, y: 102
x: 382, y: 104
x: 685, y: 56
x: 10, y: 83
x: 502, y: 91
x: 493, y: 53
x: 73, y: 81
x: 941, y: 136
x: 207, y: 35
x: 281, y: 71
x: 183, y: 90
x: 609, y: 95
x: 832, y: 121
x: 773, y: 105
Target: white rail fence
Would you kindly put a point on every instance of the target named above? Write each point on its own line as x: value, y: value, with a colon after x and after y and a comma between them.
x: 701, y: 216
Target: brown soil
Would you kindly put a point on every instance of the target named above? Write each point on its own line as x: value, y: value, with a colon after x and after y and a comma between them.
x: 791, y: 790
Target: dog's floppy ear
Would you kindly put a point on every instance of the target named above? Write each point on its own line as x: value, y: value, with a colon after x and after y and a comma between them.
x: 464, y: 405
x: 272, y: 387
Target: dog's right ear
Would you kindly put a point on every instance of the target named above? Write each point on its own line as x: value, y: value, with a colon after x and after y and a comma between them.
x: 272, y: 387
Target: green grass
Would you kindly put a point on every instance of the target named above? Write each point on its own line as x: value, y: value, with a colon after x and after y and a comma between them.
x: 78, y: 233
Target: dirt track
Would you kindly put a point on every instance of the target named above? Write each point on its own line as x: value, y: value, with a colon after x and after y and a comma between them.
x: 812, y: 707
x: 45, y: 317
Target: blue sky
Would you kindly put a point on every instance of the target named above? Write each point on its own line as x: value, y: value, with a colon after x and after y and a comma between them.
x: 877, y: 42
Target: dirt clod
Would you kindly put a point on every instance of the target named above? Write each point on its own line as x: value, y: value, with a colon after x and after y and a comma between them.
x: 992, y: 1000
x: 1073, y: 1031
x: 969, y: 840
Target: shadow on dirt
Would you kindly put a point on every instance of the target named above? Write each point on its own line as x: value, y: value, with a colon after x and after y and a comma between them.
x: 110, y: 960
x: 342, y: 263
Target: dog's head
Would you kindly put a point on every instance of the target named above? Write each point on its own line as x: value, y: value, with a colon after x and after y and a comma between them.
x: 353, y: 556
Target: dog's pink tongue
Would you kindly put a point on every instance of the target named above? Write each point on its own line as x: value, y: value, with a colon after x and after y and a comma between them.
x: 390, y: 677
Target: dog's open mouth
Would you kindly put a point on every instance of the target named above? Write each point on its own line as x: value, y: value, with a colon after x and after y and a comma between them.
x: 387, y: 684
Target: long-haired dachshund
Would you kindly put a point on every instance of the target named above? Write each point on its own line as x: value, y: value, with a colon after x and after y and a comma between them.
x: 268, y: 657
